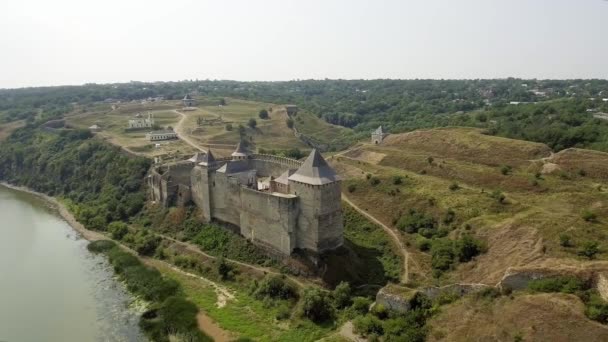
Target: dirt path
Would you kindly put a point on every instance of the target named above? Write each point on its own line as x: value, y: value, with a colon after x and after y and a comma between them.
x: 390, y: 232
x: 179, y: 129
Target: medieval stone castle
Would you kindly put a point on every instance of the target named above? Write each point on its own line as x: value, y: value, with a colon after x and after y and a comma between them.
x: 280, y: 203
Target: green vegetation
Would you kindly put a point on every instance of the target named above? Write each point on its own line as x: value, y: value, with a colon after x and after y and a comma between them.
x: 169, y: 313
x: 595, y: 307
x: 263, y: 114
x: 99, y: 181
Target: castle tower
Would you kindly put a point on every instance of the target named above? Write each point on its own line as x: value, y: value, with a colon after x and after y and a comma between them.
x: 378, y: 136
x: 320, y: 227
x: 200, y: 179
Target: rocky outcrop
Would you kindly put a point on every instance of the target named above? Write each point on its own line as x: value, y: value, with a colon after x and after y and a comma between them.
x: 395, y: 298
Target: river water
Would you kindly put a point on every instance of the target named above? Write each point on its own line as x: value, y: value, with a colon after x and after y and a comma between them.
x: 51, y: 287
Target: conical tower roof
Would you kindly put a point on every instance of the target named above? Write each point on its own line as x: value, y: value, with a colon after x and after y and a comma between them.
x: 197, y: 157
x: 315, y: 171
x: 207, y: 159
x: 241, y: 151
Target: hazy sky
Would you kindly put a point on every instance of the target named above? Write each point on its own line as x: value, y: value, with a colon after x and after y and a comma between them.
x: 52, y: 42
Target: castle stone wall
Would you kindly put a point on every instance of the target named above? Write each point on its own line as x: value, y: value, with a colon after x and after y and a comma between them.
x: 269, y: 220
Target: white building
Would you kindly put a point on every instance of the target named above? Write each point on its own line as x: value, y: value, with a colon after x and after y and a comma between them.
x: 167, y: 134
x: 141, y: 122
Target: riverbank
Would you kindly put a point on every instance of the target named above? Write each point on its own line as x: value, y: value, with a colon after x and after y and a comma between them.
x: 206, y: 323
x: 63, y: 211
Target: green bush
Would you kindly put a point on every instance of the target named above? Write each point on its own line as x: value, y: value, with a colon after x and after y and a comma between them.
x: 397, y: 180
x: 565, y: 284
x: 442, y: 254
x: 352, y: 188
x: 367, y: 325
x: 589, y: 216
x: 565, y: 240
x: 379, y: 311
x: 101, y: 246
x: 342, y: 295
x: 118, y: 230
x: 414, y: 221
x: 454, y: 186
x: 374, y: 181
x: 147, y: 244
x: 361, y: 305
x: 316, y: 305
x: 275, y: 287
x: 506, y: 169
x: 467, y: 248
x: 589, y: 249
x: 596, y: 308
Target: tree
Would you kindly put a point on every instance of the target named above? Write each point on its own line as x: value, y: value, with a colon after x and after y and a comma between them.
x: 252, y: 123
x: 341, y: 295
x: 228, y: 127
x: 316, y: 305
x: 263, y: 114
x: 224, y: 270
x: 222, y: 102
x: 118, y: 230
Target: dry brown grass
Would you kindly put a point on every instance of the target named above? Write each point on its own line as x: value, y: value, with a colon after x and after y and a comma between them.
x: 538, y: 317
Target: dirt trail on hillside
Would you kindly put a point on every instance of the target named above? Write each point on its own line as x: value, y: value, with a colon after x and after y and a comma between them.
x: 390, y: 232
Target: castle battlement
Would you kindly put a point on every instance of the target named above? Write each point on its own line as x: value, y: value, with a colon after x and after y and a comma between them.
x: 280, y: 203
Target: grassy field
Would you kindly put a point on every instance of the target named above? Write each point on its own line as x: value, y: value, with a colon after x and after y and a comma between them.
x: 114, y: 122
x: 496, y: 190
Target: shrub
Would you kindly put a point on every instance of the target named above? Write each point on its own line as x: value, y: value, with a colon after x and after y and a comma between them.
x: 283, y: 313
x: 379, y: 311
x: 367, y: 325
x: 361, y: 305
x: 101, y: 246
x: 275, y: 287
x: 565, y: 284
x: 263, y: 114
x: 316, y: 305
x: 415, y: 221
x: 147, y: 244
x: 228, y: 127
x: 565, y: 240
x: 352, y: 188
x: 252, y: 123
x: 224, y: 270
x: 397, y: 180
x: 423, y: 243
x: 368, y: 176
x: 118, y: 230
x: 341, y: 295
x: 498, y: 196
x: 430, y: 160
x: 467, y: 248
x: 374, y: 181
x: 454, y: 186
x: 506, y: 169
x: 596, y: 308
x: 589, y: 249
x: 589, y: 216
x: 442, y: 255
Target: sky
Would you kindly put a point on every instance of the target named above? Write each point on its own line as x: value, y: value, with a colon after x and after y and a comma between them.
x: 59, y: 42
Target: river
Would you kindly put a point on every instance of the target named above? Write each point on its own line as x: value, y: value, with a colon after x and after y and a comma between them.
x: 51, y: 287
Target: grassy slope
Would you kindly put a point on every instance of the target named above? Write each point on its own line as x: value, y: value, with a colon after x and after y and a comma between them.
x: 532, y: 317
x: 526, y: 229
